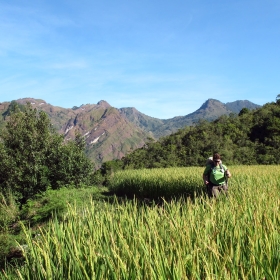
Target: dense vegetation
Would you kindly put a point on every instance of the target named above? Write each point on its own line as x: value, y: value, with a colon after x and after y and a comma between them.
x: 251, y: 137
x: 233, y: 238
x: 34, y: 162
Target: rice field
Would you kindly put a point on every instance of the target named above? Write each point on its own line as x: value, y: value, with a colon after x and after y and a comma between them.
x: 234, y: 237
x: 156, y: 183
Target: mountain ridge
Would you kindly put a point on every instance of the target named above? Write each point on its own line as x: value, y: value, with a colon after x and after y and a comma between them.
x: 210, y: 110
x: 111, y: 133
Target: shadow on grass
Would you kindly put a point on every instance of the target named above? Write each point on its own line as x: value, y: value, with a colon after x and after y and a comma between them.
x: 120, y: 197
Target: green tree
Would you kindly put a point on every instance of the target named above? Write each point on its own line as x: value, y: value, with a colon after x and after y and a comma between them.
x: 69, y: 165
x: 243, y: 111
x: 34, y: 157
x: 14, y: 106
x: 278, y: 99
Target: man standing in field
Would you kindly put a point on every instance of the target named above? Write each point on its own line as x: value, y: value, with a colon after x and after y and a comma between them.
x: 215, y: 176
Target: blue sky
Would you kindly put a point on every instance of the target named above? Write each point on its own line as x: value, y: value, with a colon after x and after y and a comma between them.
x: 165, y: 58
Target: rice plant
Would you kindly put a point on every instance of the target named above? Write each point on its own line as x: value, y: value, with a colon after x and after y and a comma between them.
x: 155, y: 183
x: 234, y: 237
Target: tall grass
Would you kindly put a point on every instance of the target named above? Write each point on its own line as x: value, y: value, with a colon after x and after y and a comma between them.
x: 228, y: 238
x: 155, y: 183
x: 9, y: 214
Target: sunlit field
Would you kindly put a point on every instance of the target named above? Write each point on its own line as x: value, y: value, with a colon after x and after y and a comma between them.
x: 234, y: 237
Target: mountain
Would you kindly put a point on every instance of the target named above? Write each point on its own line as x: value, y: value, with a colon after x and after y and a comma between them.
x: 110, y: 133
x: 236, y: 106
x: 148, y: 124
x: 210, y: 110
x: 107, y: 133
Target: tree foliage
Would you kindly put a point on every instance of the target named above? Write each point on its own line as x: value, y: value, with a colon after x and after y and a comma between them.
x: 278, y: 99
x: 34, y: 157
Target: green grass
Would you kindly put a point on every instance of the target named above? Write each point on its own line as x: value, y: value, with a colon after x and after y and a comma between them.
x: 36, y: 213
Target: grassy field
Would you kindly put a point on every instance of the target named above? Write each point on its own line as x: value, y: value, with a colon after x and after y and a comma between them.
x: 234, y: 237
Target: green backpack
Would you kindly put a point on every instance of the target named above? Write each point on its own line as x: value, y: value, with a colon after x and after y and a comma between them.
x: 211, y: 162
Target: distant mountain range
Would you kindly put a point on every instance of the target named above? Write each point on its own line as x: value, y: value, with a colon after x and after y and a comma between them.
x: 210, y: 110
x: 111, y: 133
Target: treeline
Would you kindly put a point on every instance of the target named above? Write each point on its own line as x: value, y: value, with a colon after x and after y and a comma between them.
x: 250, y: 137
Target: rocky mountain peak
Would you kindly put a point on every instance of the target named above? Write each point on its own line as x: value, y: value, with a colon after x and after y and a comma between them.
x: 211, y: 103
x: 104, y: 104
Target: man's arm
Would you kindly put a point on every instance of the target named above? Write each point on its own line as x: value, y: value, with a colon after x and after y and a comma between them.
x: 228, y: 174
x: 205, y: 179
x: 205, y: 175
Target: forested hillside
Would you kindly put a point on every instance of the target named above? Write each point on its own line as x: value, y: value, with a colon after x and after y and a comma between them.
x: 250, y: 137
